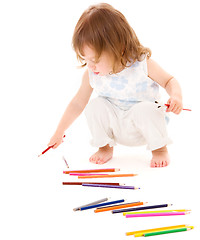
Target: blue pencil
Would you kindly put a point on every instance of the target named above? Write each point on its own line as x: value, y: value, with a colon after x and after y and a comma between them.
x: 101, y: 204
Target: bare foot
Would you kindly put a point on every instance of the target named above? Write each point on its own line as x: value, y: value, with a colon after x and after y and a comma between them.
x: 160, y: 157
x: 103, y: 155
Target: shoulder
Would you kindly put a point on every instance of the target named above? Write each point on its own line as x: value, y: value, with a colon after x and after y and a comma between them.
x: 151, y: 64
x: 85, y: 81
x: 86, y: 75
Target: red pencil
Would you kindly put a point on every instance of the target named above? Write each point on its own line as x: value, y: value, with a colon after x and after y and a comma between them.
x: 167, y: 105
x: 47, y: 149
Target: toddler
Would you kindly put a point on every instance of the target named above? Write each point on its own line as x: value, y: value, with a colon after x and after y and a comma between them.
x: 127, y: 80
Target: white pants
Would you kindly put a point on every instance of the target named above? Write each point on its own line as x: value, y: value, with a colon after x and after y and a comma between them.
x: 142, y: 124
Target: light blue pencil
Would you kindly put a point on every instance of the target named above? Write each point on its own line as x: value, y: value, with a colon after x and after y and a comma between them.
x: 102, y: 204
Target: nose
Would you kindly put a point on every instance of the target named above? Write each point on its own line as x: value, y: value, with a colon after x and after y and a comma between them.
x: 91, y: 66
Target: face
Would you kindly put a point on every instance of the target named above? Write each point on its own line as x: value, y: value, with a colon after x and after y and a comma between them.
x: 104, y: 64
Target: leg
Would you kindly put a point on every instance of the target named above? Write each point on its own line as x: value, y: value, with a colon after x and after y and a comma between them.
x: 98, y: 114
x: 151, y: 122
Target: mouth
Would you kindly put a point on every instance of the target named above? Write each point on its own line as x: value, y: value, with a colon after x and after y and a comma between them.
x: 96, y: 73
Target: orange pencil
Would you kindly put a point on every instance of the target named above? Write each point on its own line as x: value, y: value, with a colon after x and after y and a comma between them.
x: 92, y: 170
x: 118, y: 207
x: 108, y: 176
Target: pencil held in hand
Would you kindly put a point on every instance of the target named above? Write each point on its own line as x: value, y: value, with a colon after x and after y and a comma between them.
x: 167, y: 105
x: 47, y: 149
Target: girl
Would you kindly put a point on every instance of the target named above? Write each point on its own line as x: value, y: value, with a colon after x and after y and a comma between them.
x: 126, y: 80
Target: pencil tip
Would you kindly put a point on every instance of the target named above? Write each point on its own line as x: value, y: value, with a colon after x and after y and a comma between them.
x: 39, y: 155
x: 187, y: 213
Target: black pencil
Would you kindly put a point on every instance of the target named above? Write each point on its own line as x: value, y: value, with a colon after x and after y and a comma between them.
x: 141, y: 208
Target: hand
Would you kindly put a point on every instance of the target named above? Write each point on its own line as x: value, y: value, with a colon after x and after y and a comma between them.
x: 56, y: 140
x: 175, y: 105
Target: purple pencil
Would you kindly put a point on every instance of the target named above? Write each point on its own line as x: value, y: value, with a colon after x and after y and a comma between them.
x: 109, y: 186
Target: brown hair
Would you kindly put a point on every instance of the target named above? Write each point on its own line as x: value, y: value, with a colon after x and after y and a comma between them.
x: 104, y: 28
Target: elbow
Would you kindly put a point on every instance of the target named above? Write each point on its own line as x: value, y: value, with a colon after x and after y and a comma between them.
x: 168, y: 82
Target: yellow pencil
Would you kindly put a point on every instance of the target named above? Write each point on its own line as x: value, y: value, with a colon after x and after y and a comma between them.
x: 160, y: 211
x: 108, y: 176
x: 141, y: 232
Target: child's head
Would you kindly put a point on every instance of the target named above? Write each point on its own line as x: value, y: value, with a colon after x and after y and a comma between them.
x: 105, y: 30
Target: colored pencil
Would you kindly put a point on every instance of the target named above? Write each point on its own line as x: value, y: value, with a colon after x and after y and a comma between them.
x: 156, y: 214
x: 167, y: 231
x: 108, y: 186
x: 80, y: 183
x: 140, y: 233
x: 161, y: 211
x: 102, y: 204
x: 92, y: 170
x: 118, y: 207
x: 108, y: 176
x: 47, y: 149
x: 141, y: 208
x: 167, y: 105
x: 92, y: 203
x: 86, y: 174
x: 65, y: 162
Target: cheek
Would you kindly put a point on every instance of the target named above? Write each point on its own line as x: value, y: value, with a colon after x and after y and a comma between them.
x: 105, y: 68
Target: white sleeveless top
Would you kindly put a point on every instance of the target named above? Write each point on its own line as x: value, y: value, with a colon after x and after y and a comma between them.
x: 128, y: 87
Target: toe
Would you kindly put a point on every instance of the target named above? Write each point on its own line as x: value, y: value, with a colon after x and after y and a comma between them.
x: 93, y: 159
x: 152, y: 164
x: 158, y: 164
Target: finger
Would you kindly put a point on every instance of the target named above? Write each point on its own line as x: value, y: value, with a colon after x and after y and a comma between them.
x: 169, y: 109
x: 55, y: 146
x: 178, y: 111
x: 174, y: 109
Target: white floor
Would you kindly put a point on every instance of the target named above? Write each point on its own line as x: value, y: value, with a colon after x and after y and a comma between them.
x: 38, y: 79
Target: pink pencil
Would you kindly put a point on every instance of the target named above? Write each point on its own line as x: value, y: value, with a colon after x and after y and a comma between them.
x: 156, y: 214
x: 85, y: 174
x: 92, y: 170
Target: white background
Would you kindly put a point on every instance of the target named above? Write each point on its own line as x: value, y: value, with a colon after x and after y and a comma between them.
x: 38, y: 79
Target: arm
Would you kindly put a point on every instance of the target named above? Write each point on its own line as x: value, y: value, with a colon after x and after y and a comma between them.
x: 73, y: 110
x: 169, y: 83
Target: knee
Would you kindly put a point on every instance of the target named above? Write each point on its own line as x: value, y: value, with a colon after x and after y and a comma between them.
x: 95, y: 106
x: 145, y: 107
x: 147, y: 111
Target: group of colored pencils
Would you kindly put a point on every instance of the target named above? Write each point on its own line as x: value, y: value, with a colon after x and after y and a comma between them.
x: 129, y: 210
x: 159, y: 231
x: 99, y: 173
x: 132, y: 210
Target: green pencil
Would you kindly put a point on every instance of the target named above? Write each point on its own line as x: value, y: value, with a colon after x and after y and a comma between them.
x: 167, y: 231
